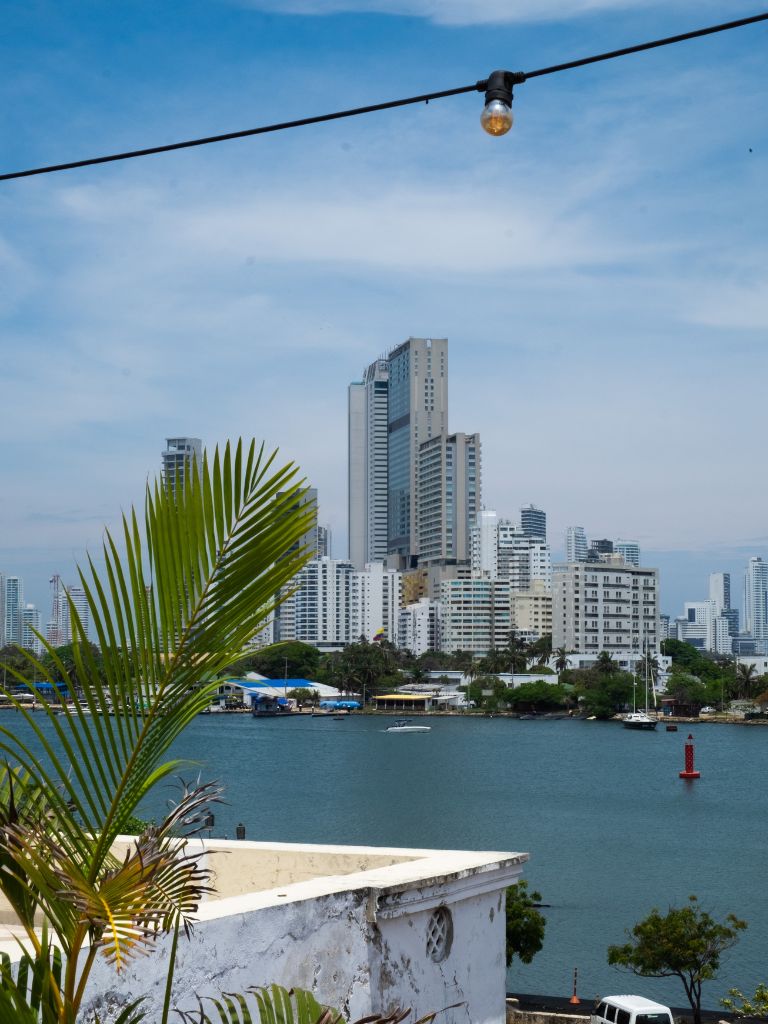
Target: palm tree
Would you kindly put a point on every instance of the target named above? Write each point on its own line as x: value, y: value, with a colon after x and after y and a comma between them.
x: 562, y: 661
x: 746, y: 677
x: 605, y: 662
x: 176, y: 607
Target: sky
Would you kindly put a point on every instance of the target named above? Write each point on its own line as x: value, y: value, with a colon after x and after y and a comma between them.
x: 600, y: 272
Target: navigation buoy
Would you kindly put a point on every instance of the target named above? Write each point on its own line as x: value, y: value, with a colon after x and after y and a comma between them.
x: 689, y: 772
x: 574, y: 998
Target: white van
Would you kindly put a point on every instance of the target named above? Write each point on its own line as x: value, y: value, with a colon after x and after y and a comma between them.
x: 630, y: 1010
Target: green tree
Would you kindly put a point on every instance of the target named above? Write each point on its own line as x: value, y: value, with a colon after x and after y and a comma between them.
x: 747, y: 681
x: 215, y: 552
x: 525, y: 925
x: 15, y: 665
x: 743, y: 1006
x: 539, y: 696
x: 291, y: 658
x: 602, y: 694
x: 605, y: 662
x: 685, y: 943
x: 562, y: 661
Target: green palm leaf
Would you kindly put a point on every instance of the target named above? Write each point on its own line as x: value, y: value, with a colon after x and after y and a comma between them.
x: 170, y: 610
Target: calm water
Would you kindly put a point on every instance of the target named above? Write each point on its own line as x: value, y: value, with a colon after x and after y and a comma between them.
x: 610, y: 828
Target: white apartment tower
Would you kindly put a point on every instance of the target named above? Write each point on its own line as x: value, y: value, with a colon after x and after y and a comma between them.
x: 14, y: 602
x: 419, y: 627
x: 756, y: 599
x: 629, y: 551
x: 599, y: 606
x: 367, y: 452
x: 319, y: 609
x: 177, y: 460
x: 30, y: 627
x: 500, y: 549
x: 477, y: 614
x: 575, y: 544
x: 374, y: 603
x: 448, y: 483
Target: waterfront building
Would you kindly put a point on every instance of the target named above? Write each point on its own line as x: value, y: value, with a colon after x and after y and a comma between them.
x: 367, y: 471
x: 30, y: 627
x: 419, y: 627
x: 532, y: 610
x: 629, y: 551
x: 605, y: 607
x: 375, y: 596
x: 2, y: 610
x: 180, y: 454
x: 575, y: 544
x: 477, y: 614
x: 318, y: 612
x: 448, y: 485
x: 533, y: 522
x: 13, y: 603
x: 756, y: 601
x: 417, y: 411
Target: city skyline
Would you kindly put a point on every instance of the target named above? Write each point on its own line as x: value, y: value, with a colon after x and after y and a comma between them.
x: 603, y: 322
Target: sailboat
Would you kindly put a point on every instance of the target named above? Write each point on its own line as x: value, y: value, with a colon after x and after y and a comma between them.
x: 640, y: 719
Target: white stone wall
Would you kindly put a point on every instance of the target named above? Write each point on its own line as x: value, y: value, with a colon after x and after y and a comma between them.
x: 359, y: 941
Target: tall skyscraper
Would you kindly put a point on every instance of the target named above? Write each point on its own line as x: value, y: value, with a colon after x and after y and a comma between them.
x: 14, y: 601
x: 756, y: 599
x: 177, y: 459
x: 417, y: 411
x: 367, y: 467
x: 449, y: 496
x: 720, y: 590
x: 575, y: 544
x: 533, y: 522
x: 30, y: 627
x: 629, y: 551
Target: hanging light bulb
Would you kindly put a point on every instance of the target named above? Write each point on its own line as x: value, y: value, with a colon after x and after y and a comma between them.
x: 496, y: 117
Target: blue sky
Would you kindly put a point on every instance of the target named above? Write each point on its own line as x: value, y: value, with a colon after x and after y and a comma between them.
x: 600, y: 271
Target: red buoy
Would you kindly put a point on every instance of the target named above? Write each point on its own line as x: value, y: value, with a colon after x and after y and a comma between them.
x: 690, y: 772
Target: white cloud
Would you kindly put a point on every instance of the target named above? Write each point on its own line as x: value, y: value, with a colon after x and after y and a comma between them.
x: 457, y: 12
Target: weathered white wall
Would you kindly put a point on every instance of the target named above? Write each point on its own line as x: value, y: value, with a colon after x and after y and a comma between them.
x: 357, y: 940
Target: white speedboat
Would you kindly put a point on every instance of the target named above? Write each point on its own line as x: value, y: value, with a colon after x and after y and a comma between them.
x: 404, y: 725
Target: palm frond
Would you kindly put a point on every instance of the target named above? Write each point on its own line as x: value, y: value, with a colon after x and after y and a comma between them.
x: 170, y: 611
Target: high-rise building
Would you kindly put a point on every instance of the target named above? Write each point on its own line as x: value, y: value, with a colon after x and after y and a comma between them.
x: 324, y: 542
x: 702, y: 626
x: 532, y: 610
x: 282, y: 623
x: 756, y: 599
x: 320, y: 604
x: 477, y: 614
x: 629, y: 551
x: 2, y: 609
x: 177, y: 459
x: 30, y: 628
x: 500, y: 550
x: 419, y: 627
x: 448, y: 483
x: 14, y: 601
x: 599, y: 606
x: 55, y: 628
x: 720, y: 593
x: 599, y: 548
x: 533, y: 522
x: 417, y: 410
x: 368, y: 455
x: 720, y: 590
x: 374, y: 603
x: 575, y: 544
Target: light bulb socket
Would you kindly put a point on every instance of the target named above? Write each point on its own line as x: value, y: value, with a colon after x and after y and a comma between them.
x: 498, y: 85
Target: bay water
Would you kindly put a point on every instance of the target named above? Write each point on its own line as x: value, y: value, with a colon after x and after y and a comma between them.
x: 610, y: 828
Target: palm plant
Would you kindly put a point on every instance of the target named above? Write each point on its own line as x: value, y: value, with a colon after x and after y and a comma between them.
x: 746, y: 677
x: 562, y: 661
x: 175, y: 607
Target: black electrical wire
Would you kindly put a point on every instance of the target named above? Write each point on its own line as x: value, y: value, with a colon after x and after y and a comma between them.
x: 388, y: 105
